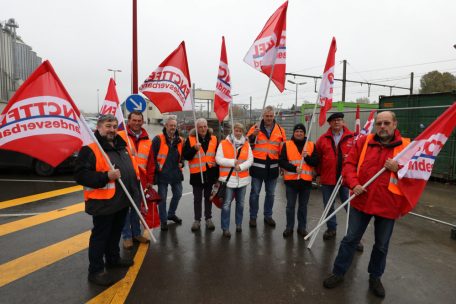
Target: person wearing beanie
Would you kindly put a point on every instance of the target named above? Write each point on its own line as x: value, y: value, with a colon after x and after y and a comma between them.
x: 298, y: 162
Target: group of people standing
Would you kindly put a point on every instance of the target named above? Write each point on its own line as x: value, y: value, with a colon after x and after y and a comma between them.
x: 257, y: 157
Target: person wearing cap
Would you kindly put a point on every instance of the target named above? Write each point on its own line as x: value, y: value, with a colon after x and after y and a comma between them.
x: 298, y: 162
x: 332, y: 148
x: 105, y: 199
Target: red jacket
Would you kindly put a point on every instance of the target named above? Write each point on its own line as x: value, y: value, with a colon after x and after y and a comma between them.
x: 331, y: 157
x: 378, y: 200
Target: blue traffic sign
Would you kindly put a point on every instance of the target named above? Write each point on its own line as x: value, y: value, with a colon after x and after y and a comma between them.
x: 135, y: 102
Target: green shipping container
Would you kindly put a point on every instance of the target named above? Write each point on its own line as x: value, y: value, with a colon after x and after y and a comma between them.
x: 412, y: 120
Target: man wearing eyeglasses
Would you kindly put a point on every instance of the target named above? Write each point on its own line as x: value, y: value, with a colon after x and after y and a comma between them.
x: 381, y: 200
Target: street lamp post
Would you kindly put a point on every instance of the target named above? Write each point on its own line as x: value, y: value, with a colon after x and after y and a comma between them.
x: 114, y: 72
x: 296, y: 99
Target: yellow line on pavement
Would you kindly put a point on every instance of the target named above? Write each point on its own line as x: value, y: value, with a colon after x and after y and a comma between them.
x: 40, y: 218
x: 34, y: 261
x: 118, y: 292
x: 37, y: 197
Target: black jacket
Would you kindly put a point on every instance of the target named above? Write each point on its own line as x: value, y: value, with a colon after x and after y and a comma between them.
x: 211, y: 174
x: 86, y: 175
x: 171, y: 173
x: 311, y: 160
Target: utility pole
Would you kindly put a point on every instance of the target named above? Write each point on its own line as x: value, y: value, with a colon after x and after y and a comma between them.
x: 411, y: 83
x: 135, y: 50
x: 344, y: 79
x: 114, y: 73
x: 250, y: 114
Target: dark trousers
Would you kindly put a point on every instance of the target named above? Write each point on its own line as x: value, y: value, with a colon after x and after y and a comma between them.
x: 104, y: 240
x: 292, y: 195
x: 198, y: 192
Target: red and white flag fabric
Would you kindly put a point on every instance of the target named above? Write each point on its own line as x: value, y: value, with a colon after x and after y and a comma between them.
x: 357, y: 123
x: 111, y: 104
x: 223, y: 97
x: 169, y: 86
x: 41, y: 119
x: 419, y: 156
x: 327, y: 84
x: 268, y: 52
x: 368, y: 126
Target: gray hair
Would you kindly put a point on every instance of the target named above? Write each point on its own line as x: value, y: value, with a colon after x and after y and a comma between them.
x: 268, y: 109
x: 238, y: 125
x: 201, y: 121
x: 170, y: 117
x: 106, y: 118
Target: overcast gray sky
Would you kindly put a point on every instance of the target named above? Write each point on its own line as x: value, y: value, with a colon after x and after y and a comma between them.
x: 383, y: 41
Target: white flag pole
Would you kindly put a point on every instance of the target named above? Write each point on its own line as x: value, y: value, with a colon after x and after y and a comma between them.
x: 196, y: 132
x: 132, y: 202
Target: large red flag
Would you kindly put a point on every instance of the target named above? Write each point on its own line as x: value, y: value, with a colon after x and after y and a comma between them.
x: 223, y: 88
x: 327, y: 83
x: 111, y: 104
x: 418, y: 158
x: 41, y: 119
x: 269, y: 48
x: 169, y: 86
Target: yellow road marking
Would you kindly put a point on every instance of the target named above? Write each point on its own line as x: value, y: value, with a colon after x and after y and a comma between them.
x: 118, y: 292
x: 34, y: 261
x: 40, y: 218
x: 37, y: 197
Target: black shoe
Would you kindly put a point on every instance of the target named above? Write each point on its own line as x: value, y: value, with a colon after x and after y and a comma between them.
x: 252, y: 223
x: 238, y: 228
x: 269, y: 221
x: 101, y: 278
x: 376, y: 286
x: 329, y: 234
x: 333, y: 281
x: 287, y: 233
x: 120, y: 263
x: 227, y: 234
x: 175, y: 219
x: 302, y: 232
x: 164, y: 227
x: 360, y: 247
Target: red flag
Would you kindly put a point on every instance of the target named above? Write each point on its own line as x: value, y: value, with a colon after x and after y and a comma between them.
x: 111, y: 104
x: 418, y: 158
x: 223, y: 87
x: 41, y: 119
x: 269, y: 48
x: 327, y: 83
x: 367, y: 129
x: 357, y: 123
x: 168, y: 87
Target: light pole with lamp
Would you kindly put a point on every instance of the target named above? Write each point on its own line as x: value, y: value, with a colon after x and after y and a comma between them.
x: 114, y: 72
x: 296, y: 99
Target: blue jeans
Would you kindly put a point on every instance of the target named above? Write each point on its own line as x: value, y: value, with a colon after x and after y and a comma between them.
x: 357, y: 224
x: 131, y: 228
x: 270, y: 186
x: 292, y: 194
x: 238, y: 194
x: 326, y: 190
x: 176, y: 189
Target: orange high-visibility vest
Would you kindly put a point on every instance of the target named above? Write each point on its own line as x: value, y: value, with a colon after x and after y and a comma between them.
x: 265, y: 147
x: 206, y: 158
x: 164, y: 149
x: 142, y: 154
x: 294, y: 157
x: 392, y: 186
x: 228, y: 152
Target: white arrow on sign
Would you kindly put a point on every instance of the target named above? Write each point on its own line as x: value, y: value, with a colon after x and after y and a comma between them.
x: 137, y: 106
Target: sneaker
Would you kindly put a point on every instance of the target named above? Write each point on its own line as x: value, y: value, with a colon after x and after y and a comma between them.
x: 333, y: 281
x: 120, y: 263
x: 269, y: 221
x: 302, y: 232
x: 196, y: 226
x: 376, y: 286
x: 227, y: 234
x: 101, y: 278
x: 252, y: 223
x: 128, y: 244
x: 175, y: 219
x: 287, y: 233
x: 210, y: 224
x: 329, y: 234
x: 140, y: 239
x: 360, y: 247
x: 164, y: 227
x: 238, y: 228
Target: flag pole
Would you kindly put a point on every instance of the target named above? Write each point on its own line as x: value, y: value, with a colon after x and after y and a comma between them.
x: 196, y: 132
x: 92, y: 135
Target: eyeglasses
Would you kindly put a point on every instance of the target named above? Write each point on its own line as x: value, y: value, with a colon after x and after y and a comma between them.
x: 379, y: 123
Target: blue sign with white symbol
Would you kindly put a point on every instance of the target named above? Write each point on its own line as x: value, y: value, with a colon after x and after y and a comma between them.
x: 135, y: 102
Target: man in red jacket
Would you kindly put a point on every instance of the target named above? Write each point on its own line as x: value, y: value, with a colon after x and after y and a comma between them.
x: 332, y: 148
x: 382, y: 200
